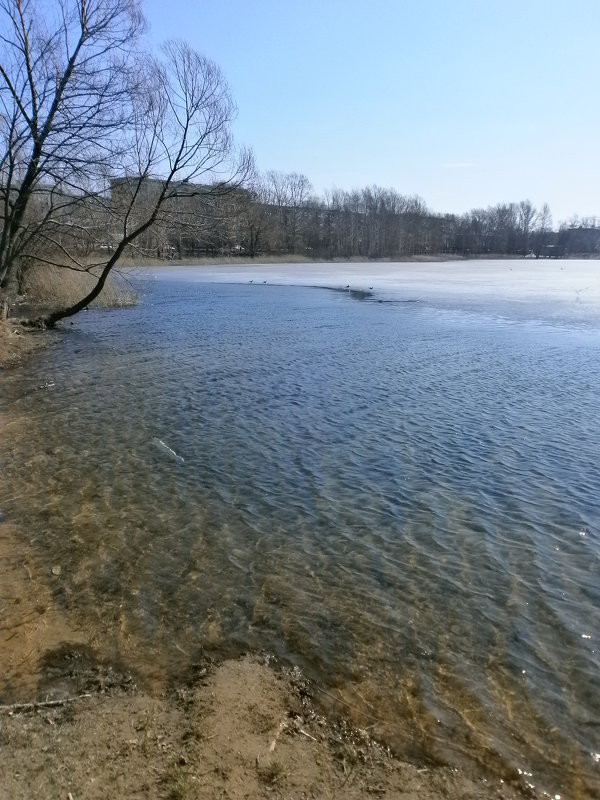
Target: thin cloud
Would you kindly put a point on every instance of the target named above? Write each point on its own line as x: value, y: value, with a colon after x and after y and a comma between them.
x: 460, y: 165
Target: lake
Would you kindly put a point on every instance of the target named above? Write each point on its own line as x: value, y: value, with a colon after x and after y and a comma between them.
x: 388, y: 475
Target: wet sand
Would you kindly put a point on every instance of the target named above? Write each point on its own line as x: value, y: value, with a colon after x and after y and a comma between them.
x: 241, y: 730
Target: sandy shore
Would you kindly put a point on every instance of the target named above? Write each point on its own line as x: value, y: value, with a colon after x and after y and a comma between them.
x: 17, y: 343
x: 75, y: 725
x: 238, y: 730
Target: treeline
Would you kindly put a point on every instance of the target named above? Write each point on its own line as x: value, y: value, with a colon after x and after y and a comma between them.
x: 278, y: 214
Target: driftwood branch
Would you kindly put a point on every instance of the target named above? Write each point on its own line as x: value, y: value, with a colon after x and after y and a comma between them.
x: 18, y: 708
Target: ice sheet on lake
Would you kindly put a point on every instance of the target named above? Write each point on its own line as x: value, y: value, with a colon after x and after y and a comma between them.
x: 543, y: 287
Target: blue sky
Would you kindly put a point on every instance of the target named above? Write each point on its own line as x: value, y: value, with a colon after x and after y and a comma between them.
x: 464, y: 102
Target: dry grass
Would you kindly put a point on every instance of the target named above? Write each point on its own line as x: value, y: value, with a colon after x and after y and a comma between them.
x: 140, y: 260
x: 47, y: 288
x: 54, y: 287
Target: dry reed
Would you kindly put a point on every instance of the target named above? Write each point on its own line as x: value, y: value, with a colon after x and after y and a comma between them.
x: 55, y: 287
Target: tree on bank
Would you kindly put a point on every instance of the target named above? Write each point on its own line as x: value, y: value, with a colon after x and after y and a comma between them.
x: 84, y: 112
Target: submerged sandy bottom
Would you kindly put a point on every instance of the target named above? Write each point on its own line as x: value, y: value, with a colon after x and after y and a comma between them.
x: 243, y: 728
x: 236, y: 729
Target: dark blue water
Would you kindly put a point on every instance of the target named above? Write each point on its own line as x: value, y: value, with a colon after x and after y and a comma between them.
x: 402, y: 499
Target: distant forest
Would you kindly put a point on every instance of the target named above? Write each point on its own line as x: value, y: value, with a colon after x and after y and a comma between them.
x: 277, y: 214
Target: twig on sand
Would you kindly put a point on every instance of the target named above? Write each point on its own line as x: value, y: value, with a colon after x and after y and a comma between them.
x: 280, y: 729
x: 17, y: 708
x: 304, y: 733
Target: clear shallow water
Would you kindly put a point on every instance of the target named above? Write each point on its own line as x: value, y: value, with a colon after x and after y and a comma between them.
x: 402, y: 498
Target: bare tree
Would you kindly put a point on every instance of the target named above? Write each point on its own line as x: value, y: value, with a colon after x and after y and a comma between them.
x: 65, y: 77
x: 527, y: 219
x: 288, y: 193
x: 96, y: 137
x: 543, y: 230
x: 180, y: 157
x: 252, y: 213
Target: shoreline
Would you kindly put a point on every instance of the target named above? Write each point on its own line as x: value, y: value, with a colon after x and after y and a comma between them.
x: 17, y: 343
x: 76, y: 720
x: 239, y: 728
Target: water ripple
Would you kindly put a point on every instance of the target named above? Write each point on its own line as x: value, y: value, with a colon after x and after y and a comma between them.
x: 402, y: 499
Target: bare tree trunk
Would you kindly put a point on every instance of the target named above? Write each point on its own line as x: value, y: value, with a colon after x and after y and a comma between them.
x: 11, y: 282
